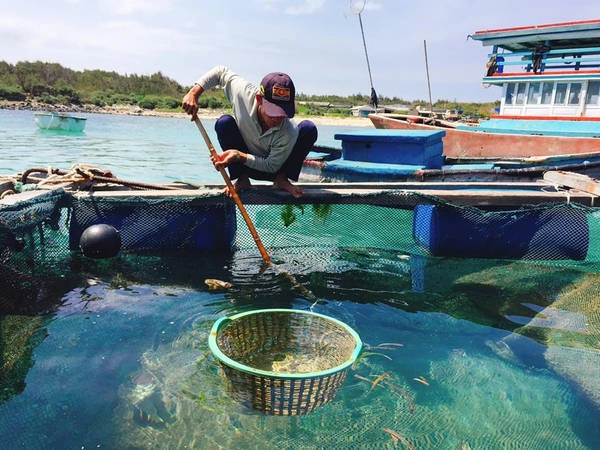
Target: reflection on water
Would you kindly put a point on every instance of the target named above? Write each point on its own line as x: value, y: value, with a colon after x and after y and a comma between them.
x: 124, y: 361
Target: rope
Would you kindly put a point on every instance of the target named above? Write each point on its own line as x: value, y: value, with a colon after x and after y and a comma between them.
x: 80, y: 173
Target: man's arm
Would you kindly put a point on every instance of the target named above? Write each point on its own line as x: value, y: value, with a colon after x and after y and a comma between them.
x: 217, y: 76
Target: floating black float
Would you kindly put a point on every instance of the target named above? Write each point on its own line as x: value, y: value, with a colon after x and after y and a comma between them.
x: 100, y: 241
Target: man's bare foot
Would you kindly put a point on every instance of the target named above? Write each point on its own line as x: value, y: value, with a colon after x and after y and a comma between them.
x: 283, y: 183
x: 241, y: 184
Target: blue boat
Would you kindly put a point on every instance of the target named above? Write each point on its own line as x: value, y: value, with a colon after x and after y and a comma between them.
x: 396, y: 155
x: 59, y: 122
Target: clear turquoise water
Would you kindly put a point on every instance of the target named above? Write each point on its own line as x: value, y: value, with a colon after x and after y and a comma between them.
x: 146, y: 149
x: 123, y: 359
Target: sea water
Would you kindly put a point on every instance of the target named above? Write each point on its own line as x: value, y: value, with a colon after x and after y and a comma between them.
x: 459, y: 353
x: 148, y: 149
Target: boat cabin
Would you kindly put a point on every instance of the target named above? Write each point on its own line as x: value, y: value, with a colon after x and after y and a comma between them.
x: 546, y: 71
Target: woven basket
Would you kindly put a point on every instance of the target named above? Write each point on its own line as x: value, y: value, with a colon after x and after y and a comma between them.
x: 283, y: 361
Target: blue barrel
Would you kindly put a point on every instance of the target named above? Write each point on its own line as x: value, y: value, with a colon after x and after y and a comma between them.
x: 542, y: 234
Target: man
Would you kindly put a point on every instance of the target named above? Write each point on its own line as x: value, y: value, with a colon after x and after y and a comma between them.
x: 259, y: 141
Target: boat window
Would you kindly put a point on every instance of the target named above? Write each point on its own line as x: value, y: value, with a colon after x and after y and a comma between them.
x: 593, y: 93
x: 533, y: 97
x: 561, y: 93
x: 508, y: 98
x: 521, y: 87
x: 574, y: 93
x: 547, y: 89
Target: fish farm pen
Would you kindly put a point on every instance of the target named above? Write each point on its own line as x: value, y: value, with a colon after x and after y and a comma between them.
x: 389, y: 242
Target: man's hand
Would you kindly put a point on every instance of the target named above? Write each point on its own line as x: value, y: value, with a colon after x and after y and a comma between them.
x: 228, y: 157
x: 190, y: 101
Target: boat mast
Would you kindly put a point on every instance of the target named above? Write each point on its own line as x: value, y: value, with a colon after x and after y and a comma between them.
x: 428, y: 83
x: 374, y: 100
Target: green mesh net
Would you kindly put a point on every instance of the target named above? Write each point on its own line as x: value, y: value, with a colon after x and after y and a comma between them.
x: 40, y: 230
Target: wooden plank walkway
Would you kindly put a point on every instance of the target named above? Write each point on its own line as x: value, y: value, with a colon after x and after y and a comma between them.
x: 396, y: 195
x: 556, y: 187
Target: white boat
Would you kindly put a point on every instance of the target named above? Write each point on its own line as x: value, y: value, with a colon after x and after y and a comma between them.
x: 56, y: 121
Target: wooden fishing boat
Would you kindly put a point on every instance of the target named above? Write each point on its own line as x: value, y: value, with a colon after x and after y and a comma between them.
x: 398, y: 155
x: 59, y: 121
x: 550, y: 104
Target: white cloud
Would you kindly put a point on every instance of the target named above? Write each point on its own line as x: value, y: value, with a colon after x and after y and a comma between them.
x: 293, y: 8
x: 358, y: 6
x: 318, y: 41
x: 127, y: 7
x: 305, y: 7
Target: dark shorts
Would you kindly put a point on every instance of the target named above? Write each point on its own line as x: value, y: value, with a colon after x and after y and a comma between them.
x: 229, y: 136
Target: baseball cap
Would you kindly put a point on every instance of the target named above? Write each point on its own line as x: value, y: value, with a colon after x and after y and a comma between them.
x: 278, y: 93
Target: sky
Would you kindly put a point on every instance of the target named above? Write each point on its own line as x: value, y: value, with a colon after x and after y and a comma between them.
x: 317, y: 42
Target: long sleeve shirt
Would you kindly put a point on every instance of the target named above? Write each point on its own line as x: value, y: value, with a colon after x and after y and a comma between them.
x: 267, y: 151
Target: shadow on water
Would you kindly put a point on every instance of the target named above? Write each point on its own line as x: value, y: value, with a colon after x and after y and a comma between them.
x: 483, y: 291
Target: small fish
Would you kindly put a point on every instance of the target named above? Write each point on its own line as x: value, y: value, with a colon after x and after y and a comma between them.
x: 403, y: 393
x: 422, y: 380
x: 214, y: 284
x: 396, y: 437
x: 379, y: 378
x: 391, y: 344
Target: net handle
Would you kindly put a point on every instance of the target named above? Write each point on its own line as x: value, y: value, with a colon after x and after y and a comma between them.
x: 234, y: 195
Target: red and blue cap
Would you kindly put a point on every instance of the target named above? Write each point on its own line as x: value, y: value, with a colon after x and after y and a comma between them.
x: 278, y: 92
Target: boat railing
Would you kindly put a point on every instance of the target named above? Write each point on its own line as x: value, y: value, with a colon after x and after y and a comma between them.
x: 544, y: 59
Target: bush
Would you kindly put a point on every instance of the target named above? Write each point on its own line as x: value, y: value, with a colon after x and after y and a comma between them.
x: 12, y: 93
x: 149, y: 102
x: 127, y: 99
x: 214, y: 103
x: 98, y: 98
x: 203, y: 102
x: 38, y: 90
x: 69, y: 95
x: 50, y: 99
x: 170, y: 103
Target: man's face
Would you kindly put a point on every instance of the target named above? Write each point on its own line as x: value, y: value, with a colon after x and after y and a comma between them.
x: 268, y: 121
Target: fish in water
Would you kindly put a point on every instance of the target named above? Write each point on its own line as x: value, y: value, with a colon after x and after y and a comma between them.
x: 148, y: 403
x: 214, y: 284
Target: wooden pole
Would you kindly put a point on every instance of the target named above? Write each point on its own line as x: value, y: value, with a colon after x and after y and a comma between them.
x: 234, y: 195
x: 236, y: 198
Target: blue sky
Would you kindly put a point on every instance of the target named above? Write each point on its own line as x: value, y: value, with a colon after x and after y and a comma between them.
x: 318, y: 42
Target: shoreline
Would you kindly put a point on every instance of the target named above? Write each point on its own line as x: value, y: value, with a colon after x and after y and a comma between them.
x: 351, y: 121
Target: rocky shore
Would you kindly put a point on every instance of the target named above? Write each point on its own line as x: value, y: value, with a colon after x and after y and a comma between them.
x: 137, y: 111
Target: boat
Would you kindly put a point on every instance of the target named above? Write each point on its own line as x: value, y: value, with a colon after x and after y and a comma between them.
x: 59, y: 121
x: 550, y: 104
x: 399, y: 155
x: 365, y: 110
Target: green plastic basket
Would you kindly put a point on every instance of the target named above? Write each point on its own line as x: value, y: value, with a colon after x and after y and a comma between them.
x: 283, y: 361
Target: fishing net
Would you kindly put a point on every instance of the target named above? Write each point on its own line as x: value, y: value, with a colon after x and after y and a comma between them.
x: 41, y: 230
x: 391, y: 240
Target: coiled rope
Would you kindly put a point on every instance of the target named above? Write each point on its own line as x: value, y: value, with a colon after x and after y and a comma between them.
x: 80, y: 173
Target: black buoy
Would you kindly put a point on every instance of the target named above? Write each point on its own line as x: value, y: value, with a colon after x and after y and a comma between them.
x: 100, y: 241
